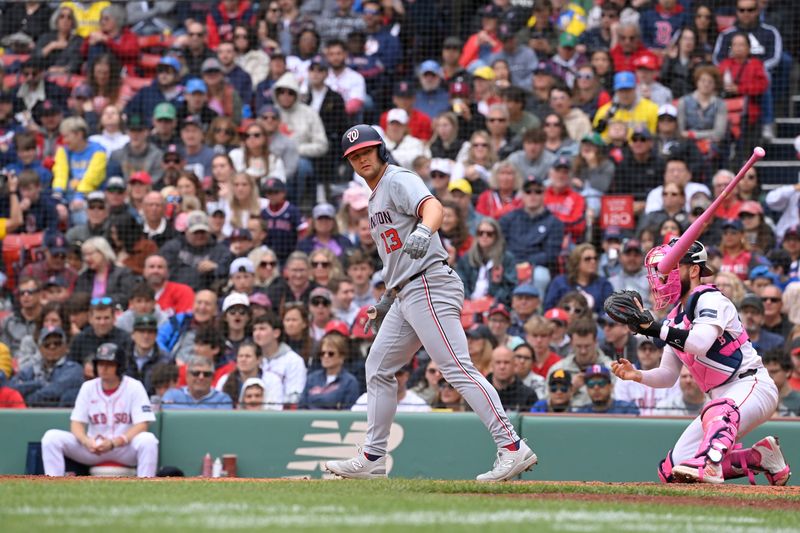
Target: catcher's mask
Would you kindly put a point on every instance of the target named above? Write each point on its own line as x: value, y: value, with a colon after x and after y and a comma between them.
x: 666, y: 289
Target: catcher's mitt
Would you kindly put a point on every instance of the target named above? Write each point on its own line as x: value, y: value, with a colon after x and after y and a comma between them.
x: 622, y: 307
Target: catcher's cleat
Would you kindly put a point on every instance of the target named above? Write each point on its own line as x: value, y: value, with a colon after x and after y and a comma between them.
x: 698, y: 470
x: 510, y: 464
x: 358, y: 467
x: 772, y: 462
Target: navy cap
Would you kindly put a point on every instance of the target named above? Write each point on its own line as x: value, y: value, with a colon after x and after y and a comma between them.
x: 641, y: 131
x: 404, y: 88
x: 562, y: 162
x: 597, y: 370
x: 612, y: 232
x: 318, y: 61
x: 274, y: 185
x: 53, y: 330
x: 733, y: 223
x: 241, y: 234
x: 482, y: 331
x: 490, y: 11
x: 55, y: 243
x: 268, y: 108
x: 193, y: 120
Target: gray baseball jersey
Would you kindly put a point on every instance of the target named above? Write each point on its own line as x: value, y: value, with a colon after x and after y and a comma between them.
x: 426, y: 312
x: 393, y: 216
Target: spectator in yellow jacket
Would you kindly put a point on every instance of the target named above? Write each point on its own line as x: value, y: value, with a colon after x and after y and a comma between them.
x: 79, y: 168
x: 627, y: 107
x: 87, y: 15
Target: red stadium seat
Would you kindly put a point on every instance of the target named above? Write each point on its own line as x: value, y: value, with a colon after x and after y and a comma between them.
x: 725, y: 21
x: 149, y: 62
x: 155, y: 41
x: 15, y: 258
x: 10, y: 59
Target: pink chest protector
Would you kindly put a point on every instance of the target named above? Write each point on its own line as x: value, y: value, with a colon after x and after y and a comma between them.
x: 722, y: 360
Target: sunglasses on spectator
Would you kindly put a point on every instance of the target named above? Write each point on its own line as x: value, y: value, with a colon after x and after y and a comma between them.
x: 486, y: 233
x: 238, y: 310
x: 265, y: 264
x: 328, y: 353
x: 201, y: 373
x: 559, y: 388
x: 284, y: 91
x: 697, y: 211
x: 436, y: 174
x: 52, y: 345
x: 320, y: 264
x: 58, y: 255
x: 592, y: 383
x: 584, y: 76
x: 574, y: 310
x: 480, y: 145
x: 27, y: 292
x: 746, y: 9
x: 491, y: 119
x: 269, y: 117
x: 770, y: 299
x: 97, y: 206
x: 319, y: 301
x: 226, y: 131
x: 639, y: 139
x: 105, y: 301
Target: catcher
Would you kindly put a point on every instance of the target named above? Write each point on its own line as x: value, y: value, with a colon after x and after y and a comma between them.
x: 704, y: 333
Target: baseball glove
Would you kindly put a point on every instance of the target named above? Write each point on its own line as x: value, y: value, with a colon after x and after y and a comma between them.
x: 626, y: 308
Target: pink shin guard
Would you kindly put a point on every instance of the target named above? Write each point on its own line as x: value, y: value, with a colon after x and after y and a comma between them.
x: 720, y: 419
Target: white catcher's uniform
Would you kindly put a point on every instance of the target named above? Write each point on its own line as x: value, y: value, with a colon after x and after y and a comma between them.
x: 749, y: 386
x: 426, y: 312
x: 106, y: 416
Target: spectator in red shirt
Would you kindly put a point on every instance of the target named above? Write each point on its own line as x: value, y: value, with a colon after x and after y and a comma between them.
x: 503, y: 195
x: 736, y: 255
x: 539, y: 334
x: 564, y: 202
x: 419, y: 124
x: 744, y: 75
x: 113, y: 37
x: 628, y: 48
x: 484, y: 43
x: 173, y: 298
x: 729, y: 209
x: 223, y: 16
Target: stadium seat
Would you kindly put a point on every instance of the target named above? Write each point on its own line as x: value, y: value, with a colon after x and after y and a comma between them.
x: 112, y: 469
x: 157, y: 41
x: 10, y: 59
x: 13, y: 256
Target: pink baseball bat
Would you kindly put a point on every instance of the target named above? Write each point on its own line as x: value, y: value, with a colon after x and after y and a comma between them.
x: 675, y: 253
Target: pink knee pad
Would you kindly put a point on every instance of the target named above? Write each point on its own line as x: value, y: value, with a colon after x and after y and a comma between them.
x: 720, y: 419
x: 665, y: 469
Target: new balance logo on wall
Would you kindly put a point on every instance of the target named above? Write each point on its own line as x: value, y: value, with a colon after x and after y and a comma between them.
x: 325, y: 442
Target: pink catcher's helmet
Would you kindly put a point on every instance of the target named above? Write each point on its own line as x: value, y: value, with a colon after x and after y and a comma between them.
x: 666, y: 288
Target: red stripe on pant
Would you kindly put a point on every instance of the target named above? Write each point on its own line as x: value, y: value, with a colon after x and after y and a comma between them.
x: 458, y: 363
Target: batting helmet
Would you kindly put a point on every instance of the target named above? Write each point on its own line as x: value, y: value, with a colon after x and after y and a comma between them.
x: 109, y: 351
x: 362, y: 136
x: 695, y: 255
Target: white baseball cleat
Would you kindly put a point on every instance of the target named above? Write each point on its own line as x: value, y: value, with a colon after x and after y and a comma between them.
x: 698, y: 471
x: 773, y: 464
x: 510, y: 464
x: 358, y: 467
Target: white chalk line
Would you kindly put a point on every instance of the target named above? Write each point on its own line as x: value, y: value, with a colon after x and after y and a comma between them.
x: 226, y: 516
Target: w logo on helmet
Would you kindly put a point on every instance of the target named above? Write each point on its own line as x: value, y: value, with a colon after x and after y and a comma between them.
x: 352, y: 135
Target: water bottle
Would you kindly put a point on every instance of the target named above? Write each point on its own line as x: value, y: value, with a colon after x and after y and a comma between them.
x: 206, y: 466
x: 216, y: 469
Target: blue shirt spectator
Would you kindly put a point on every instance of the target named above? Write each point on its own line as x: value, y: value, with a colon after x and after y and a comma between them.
x: 330, y: 392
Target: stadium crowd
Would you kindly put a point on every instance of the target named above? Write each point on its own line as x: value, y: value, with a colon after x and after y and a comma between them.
x: 173, y: 186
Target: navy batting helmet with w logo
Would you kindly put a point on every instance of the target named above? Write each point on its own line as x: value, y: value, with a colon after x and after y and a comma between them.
x: 362, y: 136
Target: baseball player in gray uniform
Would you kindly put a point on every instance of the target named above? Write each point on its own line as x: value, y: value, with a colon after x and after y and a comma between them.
x: 421, y: 307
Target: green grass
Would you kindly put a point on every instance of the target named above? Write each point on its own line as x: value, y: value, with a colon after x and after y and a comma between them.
x: 393, y: 505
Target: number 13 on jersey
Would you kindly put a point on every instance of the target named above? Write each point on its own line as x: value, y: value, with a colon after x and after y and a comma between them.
x: 391, y: 240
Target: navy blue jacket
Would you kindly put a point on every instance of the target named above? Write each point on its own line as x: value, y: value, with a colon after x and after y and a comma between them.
x: 767, y: 47
x: 341, y: 394
x: 535, y: 239
x: 146, y: 100
x: 599, y: 289
x: 242, y: 82
x: 618, y: 407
